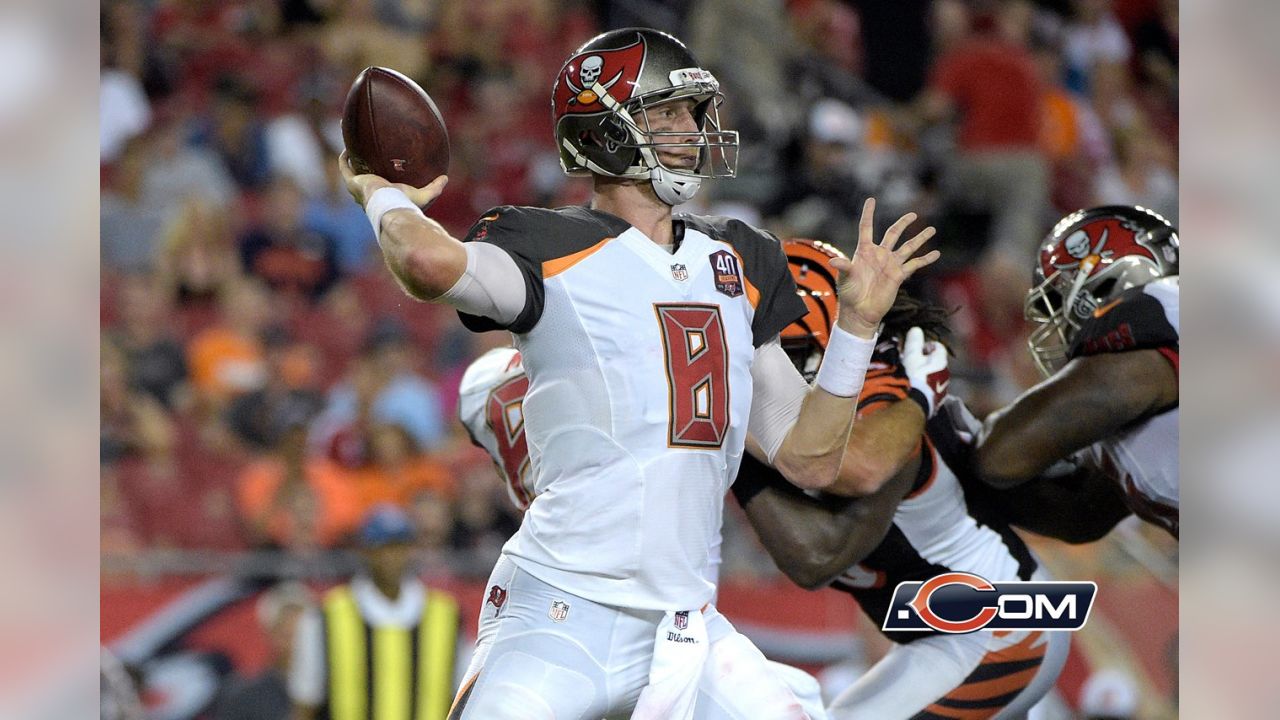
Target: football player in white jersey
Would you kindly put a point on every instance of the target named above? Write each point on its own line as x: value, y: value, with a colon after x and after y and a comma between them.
x: 936, y: 525
x: 490, y: 407
x: 650, y: 342
x: 1105, y: 298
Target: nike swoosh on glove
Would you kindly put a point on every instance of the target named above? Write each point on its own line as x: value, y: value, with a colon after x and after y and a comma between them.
x: 927, y: 371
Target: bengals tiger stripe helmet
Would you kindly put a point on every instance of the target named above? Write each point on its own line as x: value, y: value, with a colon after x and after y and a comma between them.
x: 816, y: 282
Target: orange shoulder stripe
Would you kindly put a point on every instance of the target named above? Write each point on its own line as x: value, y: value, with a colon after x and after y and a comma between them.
x: 551, y: 268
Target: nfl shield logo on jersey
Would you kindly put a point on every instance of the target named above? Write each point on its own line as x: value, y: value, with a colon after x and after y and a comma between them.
x: 725, y: 266
x: 682, y: 620
x: 679, y: 272
x: 559, y: 610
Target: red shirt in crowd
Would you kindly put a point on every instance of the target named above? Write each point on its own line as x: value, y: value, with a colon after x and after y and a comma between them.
x: 996, y: 90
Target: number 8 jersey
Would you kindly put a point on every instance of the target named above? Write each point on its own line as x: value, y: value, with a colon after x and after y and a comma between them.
x: 639, y: 390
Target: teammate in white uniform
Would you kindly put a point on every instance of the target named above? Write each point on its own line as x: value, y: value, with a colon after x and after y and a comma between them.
x: 937, y: 527
x: 650, y: 345
x: 1106, y: 301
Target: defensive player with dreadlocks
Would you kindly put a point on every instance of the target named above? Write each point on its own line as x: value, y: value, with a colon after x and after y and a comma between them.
x: 936, y: 527
x: 650, y: 342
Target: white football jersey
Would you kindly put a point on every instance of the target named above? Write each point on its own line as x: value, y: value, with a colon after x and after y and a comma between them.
x: 639, y: 370
x: 491, y: 407
x: 1144, y: 458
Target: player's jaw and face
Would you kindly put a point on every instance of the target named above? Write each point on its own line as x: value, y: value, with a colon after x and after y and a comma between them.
x: 675, y: 116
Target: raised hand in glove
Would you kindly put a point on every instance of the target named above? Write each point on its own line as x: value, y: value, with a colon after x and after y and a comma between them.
x: 927, y: 371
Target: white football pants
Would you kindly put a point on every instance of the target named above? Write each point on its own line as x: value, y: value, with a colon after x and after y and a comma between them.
x: 594, y: 660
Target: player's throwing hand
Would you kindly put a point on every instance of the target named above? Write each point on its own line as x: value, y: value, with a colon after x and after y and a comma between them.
x: 362, y: 187
x: 869, y: 280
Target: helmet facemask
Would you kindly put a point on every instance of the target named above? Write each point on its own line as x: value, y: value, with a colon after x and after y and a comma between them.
x: 1063, y: 303
x: 628, y: 128
x: 1051, y: 339
x: 1090, y: 258
x: 601, y: 105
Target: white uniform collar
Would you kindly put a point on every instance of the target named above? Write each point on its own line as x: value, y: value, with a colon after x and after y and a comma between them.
x: 404, y: 613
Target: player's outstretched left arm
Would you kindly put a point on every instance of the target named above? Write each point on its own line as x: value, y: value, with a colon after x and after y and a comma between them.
x: 1090, y: 399
x: 811, y: 454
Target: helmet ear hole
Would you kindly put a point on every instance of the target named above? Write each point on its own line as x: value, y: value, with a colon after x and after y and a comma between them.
x: 615, y: 133
x: 1104, y: 288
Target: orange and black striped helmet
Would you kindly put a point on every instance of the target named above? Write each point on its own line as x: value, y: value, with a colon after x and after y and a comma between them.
x: 816, y: 283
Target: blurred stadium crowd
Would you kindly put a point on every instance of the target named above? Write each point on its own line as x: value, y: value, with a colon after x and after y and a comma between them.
x: 263, y: 379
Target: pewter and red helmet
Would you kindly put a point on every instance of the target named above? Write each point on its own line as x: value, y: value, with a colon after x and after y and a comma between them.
x: 1089, y: 258
x: 614, y: 76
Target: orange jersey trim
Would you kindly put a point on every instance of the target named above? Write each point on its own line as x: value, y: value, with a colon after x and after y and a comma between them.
x: 990, y: 692
x: 462, y: 692
x: 957, y: 714
x: 1106, y: 308
x: 551, y: 268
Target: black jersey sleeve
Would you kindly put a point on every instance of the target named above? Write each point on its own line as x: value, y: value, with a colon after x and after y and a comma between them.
x: 532, y: 237
x: 770, y: 287
x: 765, y: 265
x: 1133, y: 321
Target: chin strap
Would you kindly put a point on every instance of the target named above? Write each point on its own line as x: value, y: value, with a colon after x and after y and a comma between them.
x: 671, y: 188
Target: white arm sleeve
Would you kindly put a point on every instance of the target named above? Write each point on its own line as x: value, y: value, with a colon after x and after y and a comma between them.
x: 778, y: 391
x: 307, y: 668
x: 492, y: 285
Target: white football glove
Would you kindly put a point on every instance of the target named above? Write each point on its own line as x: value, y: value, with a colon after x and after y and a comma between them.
x: 927, y: 371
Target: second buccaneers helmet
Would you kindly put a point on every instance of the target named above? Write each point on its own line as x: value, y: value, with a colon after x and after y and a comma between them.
x: 1088, y: 259
x: 615, y: 76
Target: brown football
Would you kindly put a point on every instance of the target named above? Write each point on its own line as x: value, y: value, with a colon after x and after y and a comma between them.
x: 392, y: 128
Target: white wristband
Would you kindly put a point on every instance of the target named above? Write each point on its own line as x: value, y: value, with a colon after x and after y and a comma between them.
x: 385, y: 200
x: 844, y: 365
